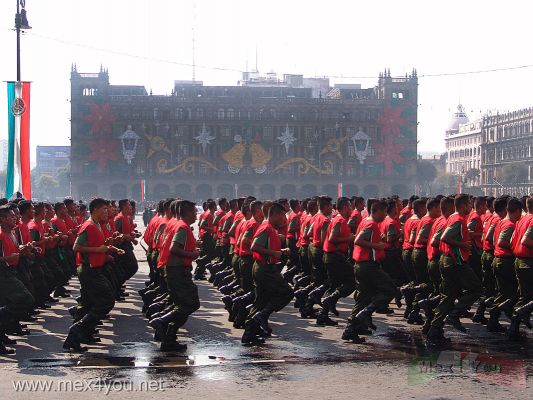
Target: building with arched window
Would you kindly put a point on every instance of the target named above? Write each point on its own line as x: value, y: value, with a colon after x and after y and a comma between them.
x: 270, y: 137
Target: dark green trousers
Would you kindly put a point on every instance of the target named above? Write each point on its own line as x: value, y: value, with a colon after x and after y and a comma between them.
x: 488, y: 280
x: 434, y: 275
x: 506, y: 282
x: 319, y: 274
x: 270, y: 289
x: 182, y: 291
x: 393, y: 266
x: 374, y: 286
x: 305, y: 264
x: 407, y: 258
x: 459, y: 282
x: 420, y: 269
x: 13, y: 294
x: 246, y: 267
x: 340, y: 274
x: 524, y: 274
x: 475, y: 262
x: 97, y: 292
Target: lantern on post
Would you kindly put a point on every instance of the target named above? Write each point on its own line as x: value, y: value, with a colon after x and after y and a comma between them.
x: 129, y: 140
x: 361, y: 143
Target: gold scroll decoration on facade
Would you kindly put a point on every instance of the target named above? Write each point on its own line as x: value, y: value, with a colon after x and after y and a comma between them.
x: 186, y: 165
x: 305, y: 166
x: 235, y: 156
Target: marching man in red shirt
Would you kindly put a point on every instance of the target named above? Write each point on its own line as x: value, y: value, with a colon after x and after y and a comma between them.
x: 375, y: 288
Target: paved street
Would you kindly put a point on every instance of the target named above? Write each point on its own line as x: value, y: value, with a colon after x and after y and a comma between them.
x: 300, y: 361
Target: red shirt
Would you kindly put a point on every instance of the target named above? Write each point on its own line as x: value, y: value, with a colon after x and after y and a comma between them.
x: 24, y: 233
x: 405, y: 214
x: 294, y: 218
x: 305, y: 220
x: 165, y: 240
x: 124, y: 222
x: 248, y: 229
x: 504, y: 230
x: 409, y: 232
x: 488, y: 222
x: 239, y: 216
x: 522, y: 228
x: 390, y: 227
x: 150, y: 230
x: 434, y: 235
x: 355, y: 219
x: 319, y: 220
x: 206, y: 221
x: 456, y: 222
x: 95, y: 238
x: 71, y: 224
x: 267, y: 237
x: 38, y: 228
x: 8, y: 246
x: 340, y: 225
x: 475, y: 224
x: 370, y: 229
x: 423, y: 229
x: 223, y: 236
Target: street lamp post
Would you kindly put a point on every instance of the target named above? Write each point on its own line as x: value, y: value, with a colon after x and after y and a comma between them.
x: 21, y: 23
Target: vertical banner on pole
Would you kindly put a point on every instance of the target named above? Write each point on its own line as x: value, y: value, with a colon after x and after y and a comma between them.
x: 339, y: 190
x: 18, y: 178
x: 236, y: 191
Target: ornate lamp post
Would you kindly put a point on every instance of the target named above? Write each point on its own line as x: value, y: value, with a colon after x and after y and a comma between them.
x: 21, y: 23
x: 361, y: 141
x: 129, y: 141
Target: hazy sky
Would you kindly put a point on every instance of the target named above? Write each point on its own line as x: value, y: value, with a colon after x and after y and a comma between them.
x: 341, y: 38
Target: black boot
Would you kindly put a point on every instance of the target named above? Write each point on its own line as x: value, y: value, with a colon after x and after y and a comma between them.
x: 454, y: 319
x: 365, y: 316
x: 169, y: 342
x: 414, y: 317
x: 300, y: 298
x: 155, y: 308
x: 315, y: 296
x: 493, y: 324
x: 240, y: 311
x: 524, y: 314
x: 408, y: 293
x: 77, y: 332
x: 323, y: 319
x: 228, y: 302
x: 436, y: 336
x: 514, y: 329
x: 479, y: 316
x: 262, y: 318
x: 250, y: 336
x: 160, y: 324
x: 330, y: 303
x: 350, y: 334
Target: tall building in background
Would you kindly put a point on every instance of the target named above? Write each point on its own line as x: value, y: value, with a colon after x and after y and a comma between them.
x: 50, y: 159
x: 269, y: 136
x: 3, y: 154
x: 463, y: 141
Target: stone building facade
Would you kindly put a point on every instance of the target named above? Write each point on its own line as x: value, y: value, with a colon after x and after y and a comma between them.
x: 507, y: 151
x: 289, y: 137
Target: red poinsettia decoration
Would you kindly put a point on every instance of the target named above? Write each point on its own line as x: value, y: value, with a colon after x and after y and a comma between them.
x: 101, y: 118
x: 391, y: 121
x: 388, y: 153
x: 102, y: 151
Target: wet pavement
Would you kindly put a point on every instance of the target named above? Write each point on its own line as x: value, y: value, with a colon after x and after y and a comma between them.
x: 301, y: 360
